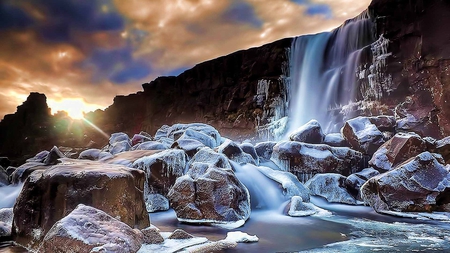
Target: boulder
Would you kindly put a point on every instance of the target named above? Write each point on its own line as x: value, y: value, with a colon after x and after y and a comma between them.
x: 298, y: 208
x: 151, y: 145
x: 235, y: 153
x: 39, y: 157
x: 311, y: 132
x: 119, y: 147
x: 248, y: 148
x: 304, y: 160
x: 204, y: 133
x: 53, y: 156
x: 139, y: 138
x: 92, y: 154
x: 265, y: 149
x: 214, y: 197
x: 443, y: 148
x: 354, y: 182
x: 421, y: 184
x: 365, y: 134
x: 198, y: 136
x: 129, y: 157
x: 335, y: 140
x: 23, y: 171
x: 330, y: 186
x: 151, y: 235
x: 161, y: 170
x: 118, y: 137
x: 47, y: 196
x: 155, y: 202
x: 6, y: 219
x: 87, y: 229
x: 180, y: 234
x: 400, y: 148
x: 210, y: 157
x: 190, y: 146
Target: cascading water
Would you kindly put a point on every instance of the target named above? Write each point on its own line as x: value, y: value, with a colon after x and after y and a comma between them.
x: 324, y: 72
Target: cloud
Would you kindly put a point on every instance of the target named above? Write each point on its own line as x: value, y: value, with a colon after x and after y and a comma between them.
x: 241, y: 12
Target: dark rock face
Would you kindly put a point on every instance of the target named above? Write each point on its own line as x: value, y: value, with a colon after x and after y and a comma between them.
x: 422, y: 184
x: 87, y: 229
x: 50, y: 195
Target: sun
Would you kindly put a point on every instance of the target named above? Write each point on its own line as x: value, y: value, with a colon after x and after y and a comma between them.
x: 75, y: 107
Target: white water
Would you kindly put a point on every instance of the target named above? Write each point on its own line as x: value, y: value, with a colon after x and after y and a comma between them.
x: 8, y: 195
x: 323, y: 72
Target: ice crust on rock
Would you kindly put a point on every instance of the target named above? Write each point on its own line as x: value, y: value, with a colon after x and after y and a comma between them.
x: 151, y: 145
x: 331, y: 187
x: 310, y: 132
x: 241, y: 237
x: 235, y: 153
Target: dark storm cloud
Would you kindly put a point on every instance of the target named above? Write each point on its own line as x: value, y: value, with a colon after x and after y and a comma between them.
x: 242, y: 12
x: 13, y: 17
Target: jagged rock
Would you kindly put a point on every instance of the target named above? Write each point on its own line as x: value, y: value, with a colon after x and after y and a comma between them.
x: 115, y: 189
x: 151, y: 145
x: 87, y: 229
x: 190, y: 146
x: 365, y: 134
x: 298, y: 208
x: 311, y: 132
x: 304, y: 160
x: 53, y: 156
x: 139, y: 138
x: 443, y: 148
x: 23, y: 171
x: 152, y: 235
x: 39, y: 157
x: 335, y: 140
x: 6, y: 219
x: 180, y: 234
x: 331, y: 186
x: 265, y: 149
x: 92, y: 154
x: 400, y: 148
x: 250, y: 149
x: 210, y: 157
x: 235, y: 153
x: 216, y: 196
x: 354, y: 182
x: 421, y: 184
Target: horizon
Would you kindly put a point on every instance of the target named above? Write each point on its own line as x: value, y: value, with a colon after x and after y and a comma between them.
x: 83, y: 54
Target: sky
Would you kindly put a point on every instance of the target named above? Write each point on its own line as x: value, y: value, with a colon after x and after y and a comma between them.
x: 82, y: 53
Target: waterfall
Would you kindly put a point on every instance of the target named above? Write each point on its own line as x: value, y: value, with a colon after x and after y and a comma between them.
x: 324, y: 70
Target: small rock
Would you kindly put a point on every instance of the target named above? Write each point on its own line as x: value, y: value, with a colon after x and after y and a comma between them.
x: 152, y: 235
x: 180, y: 234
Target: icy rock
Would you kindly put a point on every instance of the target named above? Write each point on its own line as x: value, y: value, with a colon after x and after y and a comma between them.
x: 119, y: 147
x: 198, y: 136
x: 290, y: 184
x: 116, y: 190
x: 161, y: 170
x: 248, y: 148
x: 53, y: 156
x: 443, y: 148
x: 87, y: 229
x: 152, y: 145
x: 239, y: 237
x: 304, y: 160
x: 400, y: 148
x: 92, y: 154
x: 189, y: 146
x: 210, y: 157
x: 39, y: 157
x: 152, y: 235
x: 235, y: 153
x: 298, y: 208
x: 335, y: 140
x: 119, y: 137
x: 128, y: 158
x: 156, y: 202
x: 214, y: 197
x: 330, y: 186
x: 311, y: 132
x: 421, y: 184
x: 25, y: 170
x: 354, y: 182
x: 365, y: 134
x: 265, y: 149
x: 6, y: 219
x: 180, y: 234
x: 177, y: 130
x: 139, y: 138
x: 162, y: 132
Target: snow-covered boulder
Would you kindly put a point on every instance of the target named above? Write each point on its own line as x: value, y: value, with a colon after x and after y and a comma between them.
x: 39, y: 157
x: 365, y: 134
x: 241, y: 237
x: 190, y: 146
x: 421, y: 184
x: 119, y: 147
x: 118, y: 137
x: 115, y: 189
x: 265, y: 149
x: 25, y: 170
x: 213, y: 197
x: 235, y: 153
x: 151, y: 145
x: 310, y: 132
x: 156, y: 202
x: 210, y: 157
x: 128, y: 158
x: 140, y: 137
x: 335, y: 140
x: 395, y: 151
x: 87, y: 229
x: 298, y: 208
x: 248, y: 148
x: 205, y: 139
x: 90, y: 154
x: 6, y: 219
x: 304, y: 160
x: 53, y: 156
x: 197, y: 131
x: 330, y: 186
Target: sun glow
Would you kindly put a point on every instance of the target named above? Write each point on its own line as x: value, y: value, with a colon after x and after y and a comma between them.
x: 75, y: 107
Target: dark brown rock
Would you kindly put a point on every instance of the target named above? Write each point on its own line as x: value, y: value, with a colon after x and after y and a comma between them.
x: 443, y: 148
x: 49, y: 195
x: 180, y: 234
x: 152, y: 235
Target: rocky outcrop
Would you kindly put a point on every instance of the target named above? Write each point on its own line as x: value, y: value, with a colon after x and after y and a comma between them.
x: 49, y: 195
x: 87, y: 229
x: 422, y: 184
